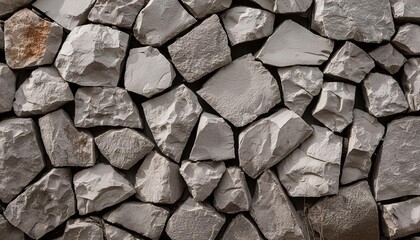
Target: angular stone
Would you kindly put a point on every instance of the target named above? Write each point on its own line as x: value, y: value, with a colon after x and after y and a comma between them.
x: 300, y: 85
x: 285, y: 6
x: 203, y: 8
x: 8, y: 87
x: 44, y: 91
x: 365, y: 135
x: 352, y: 214
x: 266, y: 142
x: 30, y: 40
x: 105, y: 106
x: 244, y: 24
x: 335, y: 105
x: 115, y: 233
x: 214, y: 139
x: 144, y: 218
x: 158, y: 180
x: 7, y: 7
x: 363, y: 21
x: 99, y: 187
x: 281, y: 49
x: 7, y: 229
x: 207, y: 50
x: 406, y: 39
x: 194, y: 220
x: 148, y: 72
x: 272, y: 210
x: 241, y: 228
x: 411, y: 83
x: 349, y: 63
x: 241, y: 91
x: 160, y: 21
x: 202, y: 177
x: 123, y: 148
x: 171, y: 118
x: 20, y: 156
x: 83, y: 229
x: 43, y: 206
x: 406, y: 10
x: 383, y: 96
x: 388, y: 58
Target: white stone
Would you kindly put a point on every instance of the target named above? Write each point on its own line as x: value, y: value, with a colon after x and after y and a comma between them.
x: 411, y: 83
x: 83, y: 229
x: 388, y: 58
x: 203, y: 8
x: 406, y: 39
x: 115, y: 233
x: 8, y: 87
x: 7, y: 7
x: 406, y: 10
x: 7, y: 229
x: 241, y: 228
x: 285, y: 6
x: 120, y: 13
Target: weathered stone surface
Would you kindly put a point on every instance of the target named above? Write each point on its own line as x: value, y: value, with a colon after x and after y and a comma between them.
x: 363, y: 21
x: 388, y: 58
x: 241, y: 91
x: 7, y: 229
x: 406, y: 10
x: 365, y: 135
x: 30, y: 40
x: 105, y: 106
x: 44, y: 205
x: 120, y: 13
x: 214, y: 139
x: 202, y: 177
x: 285, y: 6
x: 272, y: 210
x: 7, y: 7
x: 44, y: 91
x: 241, y: 228
x: 406, y: 39
x: 202, y: 50
x: 20, y: 156
x: 411, y: 83
x: 115, y: 233
x: 99, y: 187
x: 351, y: 214
x: 335, y: 105
x: 158, y: 180
x: 300, y: 84
x: 171, y: 118
x: 123, y: 148
x: 8, y: 87
x: 383, y: 96
x: 148, y: 72
x: 194, y: 220
x: 83, y: 229
x: 143, y: 218
x: 266, y: 142
x: 160, y: 21
x: 245, y: 24
x: 203, y: 8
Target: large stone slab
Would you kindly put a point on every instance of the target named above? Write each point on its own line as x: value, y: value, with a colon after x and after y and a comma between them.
x: 406, y: 10
x: 411, y: 83
x: 116, y: 233
x: 83, y: 229
x: 406, y: 39
x: 202, y: 8
x: 8, y: 87
x: 7, y: 229
x: 241, y: 228
x: 285, y: 6
x: 7, y: 7
x: 388, y: 58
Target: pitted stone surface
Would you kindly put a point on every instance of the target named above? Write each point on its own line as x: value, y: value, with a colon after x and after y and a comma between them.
x: 388, y: 58
x: 406, y: 10
x: 411, y: 83
x: 203, y: 8
x: 7, y: 7
x: 7, y: 229
x: 285, y: 6
x: 8, y: 87
x: 241, y: 228
x: 116, y: 233
x: 83, y: 229
x: 406, y: 39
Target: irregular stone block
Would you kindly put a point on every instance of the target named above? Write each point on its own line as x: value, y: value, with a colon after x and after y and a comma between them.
x: 406, y: 10
x: 203, y: 8
x: 406, y: 39
x: 115, y: 233
x: 241, y: 228
x: 285, y: 6
x: 7, y: 7
x: 83, y: 229
x: 8, y: 87
x: 7, y: 229
x: 411, y: 83
x: 388, y: 58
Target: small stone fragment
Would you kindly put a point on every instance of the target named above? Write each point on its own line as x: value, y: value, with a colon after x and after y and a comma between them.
x: 241, y: 91
x: 406, y: 10
x: 1, y: 38
x: 406, y: 39
x: 7, y: 229
x: 105, y: 106
x: 202, y: 50
x: 115, y: 233
x: 285, y: 6
x: 7, y: 7
x: 203, y: 8
x: 241, y: 228
x: 388, y: 58
x: 99, y: 187
x: 8, y: 87
x: 83, y: 229
x: 411, y: 83
x: 171, y: 118
x: 30, y: 40
x: 158, y: 180
x: 266, y: 142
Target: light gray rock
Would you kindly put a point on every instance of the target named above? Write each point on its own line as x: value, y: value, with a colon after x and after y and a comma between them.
x: 83, y: 229
x: 388, y: 58
x: 241, y: 228
x: 241, y: 91
x: 266, y: 142
x: 160, y: 21
x: 44, y: 91
x: 194, y: 220
x: 7, y: 7
x: 406, y: 39
x: 171, y: 118
x: 8, y: 87
x: 335, y: 105
x: 105, y: 106
x: 202, y: 50
x: 123, y: 148
x: 285, y: 6
x: 99, y: 187
x: 214, y: 139
x: 203, y: 8
x: 43, y: 206
x: 383, y: 96
x: 30, y: 40
x: 148, y: 72
x: 7, y: 229
x: 102, y: 50
x: 115, y: 233
x: 406, y: 10
x: 201, y: 177
x: 411, y: 83
x: 300, y: 85
x: 244, y: 24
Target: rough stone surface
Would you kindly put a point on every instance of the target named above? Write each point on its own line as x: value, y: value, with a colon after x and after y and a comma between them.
x: 241, y: 91
x: 105, y: 106
x: 241, y: 228
x: 285, y: 6
x: 7, y: 7
x: 83, y: 229
x: 411, y: 83
x: 7, y: 229
x: 406, y: 39
x: 202, y: 50
x: 171, y: 118
x: 8, y: 87
x: 266, y: 142
x: 115, y: 233
x: 406, y: 10
x: 388, y: 58
x: 203, y: 8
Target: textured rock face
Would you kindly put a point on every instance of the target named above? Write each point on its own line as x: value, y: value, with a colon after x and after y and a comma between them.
x: 20, y: 156
x: 266, y: 142
x: 123, y: 148
x: 7, y: 7
x: 405, y: 10
x: 83, y: 229
x: 194, y: 220
x: 405, y: 39
x: 363, y: 21
x: 121, y: 13
x: 411, y: 83
x: 350, y: 215
x: 388, y: 58
x: 241, y: 91
x: 241, y: 228
x: 44, y: 205
x: 105, y: 106
x: 30, y: 40
x: 285, y: 6
x: 7, y: 229
x: 115, y: 233
x: 102, y: 50
x: 202, y: 8
x: 8, y: 87
x: 207, y: 50
x: 171, y: 118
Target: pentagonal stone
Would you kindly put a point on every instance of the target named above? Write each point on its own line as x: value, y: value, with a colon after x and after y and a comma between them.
x: 241, y: 228
x: 8, y: 87
x: 203, y: 8
x: 388, y: 58
x: 7, y: 229
x: 411, y: 83
x: 116, y: 233
x: 7, y: 7
x: 406, y: 10
x: 406, y: 39
x: 285, y: 6
x: 83, y: 229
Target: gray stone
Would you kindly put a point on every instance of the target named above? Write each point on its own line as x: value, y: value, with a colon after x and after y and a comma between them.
x: 406, y: 10
x: 7, y: 7
x: 83, y: 229
x: 285, y: 6
x: 8, y: 87
x: 406, y: 39
x: 241, y: 228
x: 203, y: 8
x: 7, y: 229
x: 115, y: 233
x: 388, y: 58
x: 411, y: 83
x: 1, y: 38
